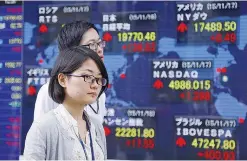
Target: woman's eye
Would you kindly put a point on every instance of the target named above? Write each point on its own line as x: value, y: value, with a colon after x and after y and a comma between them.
x: 87, y: 76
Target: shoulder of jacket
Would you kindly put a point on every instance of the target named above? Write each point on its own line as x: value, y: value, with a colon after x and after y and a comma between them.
x: 47, y: 121
x: 44, y: 88
x: 46, y: 85
x: 103, y: 96
x: 98, y: 127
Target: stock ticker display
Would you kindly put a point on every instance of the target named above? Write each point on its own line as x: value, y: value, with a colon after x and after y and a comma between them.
x: 177, y: 74
x: 11, y: 79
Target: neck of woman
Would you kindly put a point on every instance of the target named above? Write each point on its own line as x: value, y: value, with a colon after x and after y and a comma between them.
x: 76, y: 110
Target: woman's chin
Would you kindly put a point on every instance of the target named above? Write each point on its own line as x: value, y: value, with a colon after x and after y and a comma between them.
x: 91, y: 100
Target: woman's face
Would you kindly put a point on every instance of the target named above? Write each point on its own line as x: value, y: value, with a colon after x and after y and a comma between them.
x: 77, y: 90
x: 92, y: 37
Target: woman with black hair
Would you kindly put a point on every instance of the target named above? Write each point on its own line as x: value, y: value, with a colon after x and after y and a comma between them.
x: 76, y: 33
x: 78, y: 78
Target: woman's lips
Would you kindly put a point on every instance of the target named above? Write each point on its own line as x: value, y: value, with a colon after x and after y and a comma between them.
x: 93, y: 94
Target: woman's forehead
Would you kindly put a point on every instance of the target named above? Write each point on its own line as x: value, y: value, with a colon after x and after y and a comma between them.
x: 89, y: 66
x: 90, y: 36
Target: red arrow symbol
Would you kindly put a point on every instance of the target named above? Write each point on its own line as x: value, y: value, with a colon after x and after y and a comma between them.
x: 31, y: 90
x: 43, y: 28
x: 182, y: 27
x: 180, y: 142
x: 107, y: 37
x: 158, y: 84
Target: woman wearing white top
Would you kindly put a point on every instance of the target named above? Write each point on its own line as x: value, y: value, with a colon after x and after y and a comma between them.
x: 75, y: 34
x: 78, y: 78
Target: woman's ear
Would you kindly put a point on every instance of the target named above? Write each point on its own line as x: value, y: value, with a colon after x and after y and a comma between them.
x: 62, y: 79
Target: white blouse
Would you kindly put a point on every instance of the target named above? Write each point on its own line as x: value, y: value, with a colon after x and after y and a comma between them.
x: 78, y: 152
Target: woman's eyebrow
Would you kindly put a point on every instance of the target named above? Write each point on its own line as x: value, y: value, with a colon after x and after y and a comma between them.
x: 93, y: 40
x: 89, y: 70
